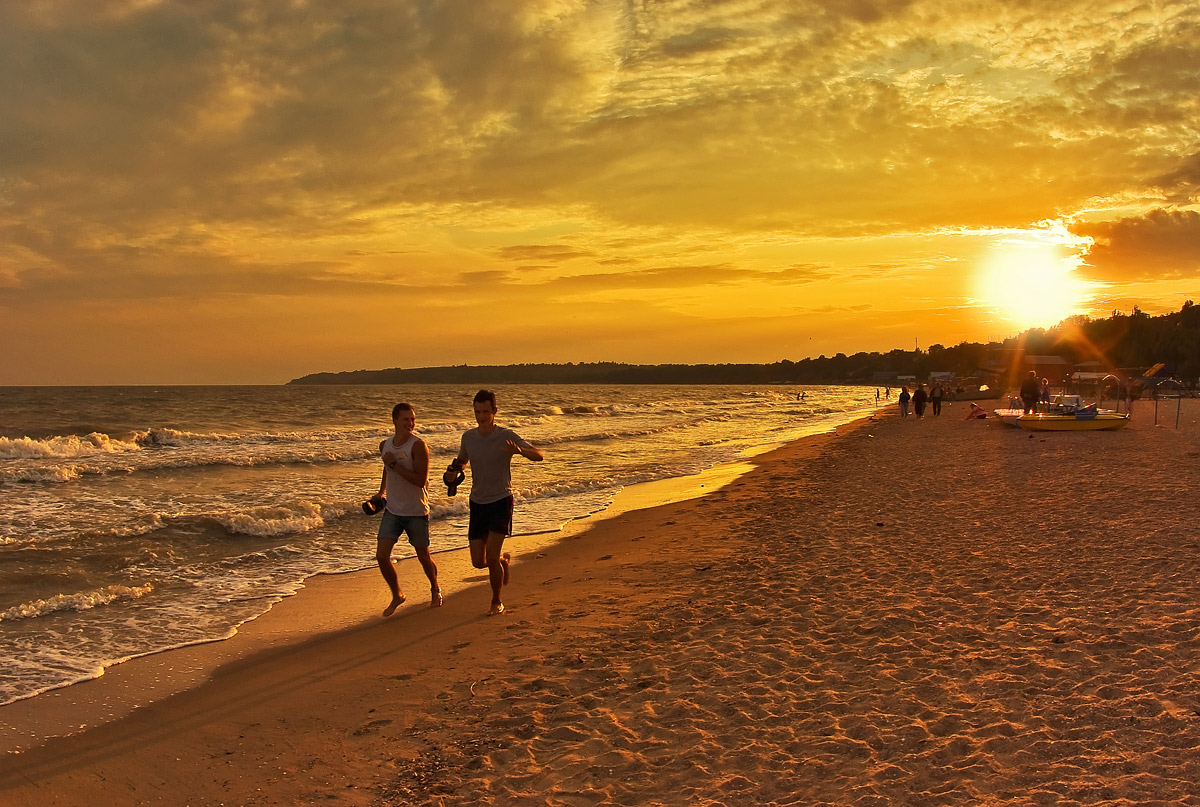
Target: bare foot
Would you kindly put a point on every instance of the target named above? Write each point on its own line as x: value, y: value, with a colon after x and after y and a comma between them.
x: 498, y: 608
x: 505, y: 560
x: 435, y: 600
x: 396, y: 602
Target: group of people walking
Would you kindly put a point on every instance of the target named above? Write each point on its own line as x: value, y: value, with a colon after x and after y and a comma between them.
x: 488, y: 450
x: 919, y: 399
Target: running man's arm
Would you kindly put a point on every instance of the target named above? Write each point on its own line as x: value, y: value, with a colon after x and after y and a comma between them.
x: 523, y: 448
x: 456, y: 465
x: 419, y: 475
x: 385, y: 458
x: 420, y: 458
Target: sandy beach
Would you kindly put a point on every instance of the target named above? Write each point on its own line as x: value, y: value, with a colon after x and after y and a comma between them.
x: 932, y: 612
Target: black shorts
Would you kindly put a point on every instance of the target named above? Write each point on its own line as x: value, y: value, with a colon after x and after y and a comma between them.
x: 491, y: 517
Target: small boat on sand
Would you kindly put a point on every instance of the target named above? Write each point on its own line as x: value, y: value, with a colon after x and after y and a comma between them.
x: 1066, y: 413
x: 1076, y: 422
x: 1008, y: 414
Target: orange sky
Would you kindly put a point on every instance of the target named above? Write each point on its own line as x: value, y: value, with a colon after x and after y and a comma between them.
x: 245, y: 192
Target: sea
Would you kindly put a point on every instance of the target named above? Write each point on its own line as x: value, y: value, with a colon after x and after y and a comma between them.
x: 140, y: 519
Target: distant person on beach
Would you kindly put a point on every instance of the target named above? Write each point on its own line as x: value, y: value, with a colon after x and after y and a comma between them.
x: 935, y: 397
x: 975, y: 412
x: 1044, y: 393
x: 405, y: 484
x: 489, y: 450
x: 919, y: 397
x: 904, y: 399
x: 1030, y: 391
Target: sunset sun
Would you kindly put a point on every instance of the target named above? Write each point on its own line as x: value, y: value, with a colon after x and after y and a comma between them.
x: 1031, y: 281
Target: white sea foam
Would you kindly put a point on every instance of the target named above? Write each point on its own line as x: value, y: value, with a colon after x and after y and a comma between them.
x: 286, y: 520
x: 81, y: 601
x: 41, y: 473
x: 142, y: 526
x: 174, y: 437
x: 67, y: 446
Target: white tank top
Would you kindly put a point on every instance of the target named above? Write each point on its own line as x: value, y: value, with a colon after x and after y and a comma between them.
x: 403, y: 497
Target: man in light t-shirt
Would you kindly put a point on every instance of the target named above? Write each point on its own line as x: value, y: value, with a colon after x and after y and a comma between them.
x: 405, y: 483
x: 489, y: 450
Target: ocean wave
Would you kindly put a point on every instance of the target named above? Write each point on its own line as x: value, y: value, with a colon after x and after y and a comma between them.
x: 73, y: 446
x: 262, y: 521
x: 174, y: 437
x: 237, y: 456
x: 65, y: 447
x: 279, y: 520
x: 559, y: 489
x: 144, y: 525
x: 552, y: 410
x: 82, y: 601
x: 593, y: 437
x: 41, y: 473
x: 436, y: 428
x: 449, y: 508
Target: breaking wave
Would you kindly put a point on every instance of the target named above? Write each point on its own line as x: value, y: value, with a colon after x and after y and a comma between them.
x: 81, y: 601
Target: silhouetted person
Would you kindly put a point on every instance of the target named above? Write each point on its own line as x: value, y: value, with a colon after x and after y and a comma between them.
x: 1031, y: 390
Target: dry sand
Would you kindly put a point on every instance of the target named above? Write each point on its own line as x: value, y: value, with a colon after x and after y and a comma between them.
x: 933, y: 612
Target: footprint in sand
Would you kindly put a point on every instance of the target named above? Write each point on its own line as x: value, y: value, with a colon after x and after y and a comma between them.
x: 371, y: 728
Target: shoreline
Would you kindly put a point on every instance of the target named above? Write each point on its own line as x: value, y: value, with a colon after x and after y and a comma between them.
x: 324, y: 603
x: 938, y: 611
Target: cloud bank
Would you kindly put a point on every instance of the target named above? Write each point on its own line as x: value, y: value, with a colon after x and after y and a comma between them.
x: 738, y: 168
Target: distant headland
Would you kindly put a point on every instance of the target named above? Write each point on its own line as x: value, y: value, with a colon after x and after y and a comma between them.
x: 582, y: 373
x: 1129, y: 343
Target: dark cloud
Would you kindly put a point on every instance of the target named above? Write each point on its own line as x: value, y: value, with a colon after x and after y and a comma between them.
x: 490, y: 277
x: 1159, y: 245
x: 701, y: 40
x: 674, y: 277
x: 542, y: 252
x: 1182, y: 185
x: 684, y: 277
x: 866, y: 11
x: 800, y: 273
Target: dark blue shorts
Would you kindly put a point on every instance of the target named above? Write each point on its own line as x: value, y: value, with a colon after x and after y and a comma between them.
x: 491, y: 517
x: 393, y: 526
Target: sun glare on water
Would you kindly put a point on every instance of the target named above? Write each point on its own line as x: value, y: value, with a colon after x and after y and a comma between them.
x: 1030, y: 280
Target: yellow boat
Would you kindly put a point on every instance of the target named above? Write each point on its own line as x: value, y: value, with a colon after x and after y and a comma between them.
x: 1087, y: 419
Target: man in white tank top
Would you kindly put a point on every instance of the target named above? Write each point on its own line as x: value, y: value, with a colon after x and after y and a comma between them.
x: 405, y: 483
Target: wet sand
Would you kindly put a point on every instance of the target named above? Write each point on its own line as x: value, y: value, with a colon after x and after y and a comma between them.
x: 933, y: 612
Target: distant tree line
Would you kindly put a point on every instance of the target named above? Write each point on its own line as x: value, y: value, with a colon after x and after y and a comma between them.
x: 1121, y: 341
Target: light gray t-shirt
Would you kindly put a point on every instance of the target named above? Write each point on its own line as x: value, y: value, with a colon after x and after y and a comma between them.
x: 490, y: 463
